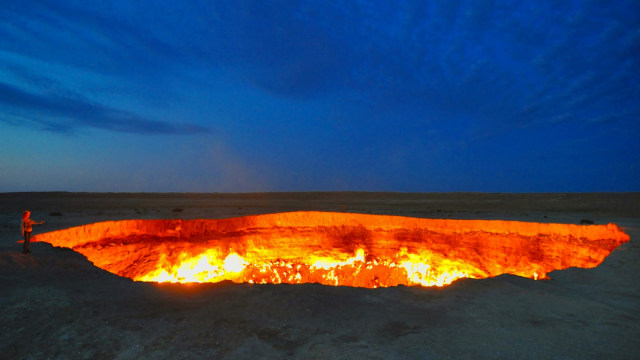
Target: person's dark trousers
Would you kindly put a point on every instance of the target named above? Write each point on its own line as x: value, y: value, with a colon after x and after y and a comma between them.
x: 27, y: 239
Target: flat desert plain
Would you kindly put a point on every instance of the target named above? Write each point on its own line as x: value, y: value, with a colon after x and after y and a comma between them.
x: 54, y: 304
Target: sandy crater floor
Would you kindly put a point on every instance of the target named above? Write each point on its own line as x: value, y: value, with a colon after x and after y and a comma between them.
x: 55, y: 304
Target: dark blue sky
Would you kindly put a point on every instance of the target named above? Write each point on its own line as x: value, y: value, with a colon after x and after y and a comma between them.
x: 496, y: 96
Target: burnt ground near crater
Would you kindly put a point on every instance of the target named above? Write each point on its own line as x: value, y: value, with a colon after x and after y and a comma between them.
x: 54, y: 304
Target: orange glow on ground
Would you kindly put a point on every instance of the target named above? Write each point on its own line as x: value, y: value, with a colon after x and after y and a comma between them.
x: 336, y: 248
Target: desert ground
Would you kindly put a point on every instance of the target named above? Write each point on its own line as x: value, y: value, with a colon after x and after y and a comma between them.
x: 56, y: 305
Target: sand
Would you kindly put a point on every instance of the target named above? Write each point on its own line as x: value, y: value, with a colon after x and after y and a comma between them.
x: 56, y: 305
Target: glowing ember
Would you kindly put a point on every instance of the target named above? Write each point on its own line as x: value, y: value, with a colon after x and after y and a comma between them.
x: 336, y: 248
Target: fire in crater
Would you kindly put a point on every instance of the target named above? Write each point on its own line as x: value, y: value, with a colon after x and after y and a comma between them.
x: 336, y: 248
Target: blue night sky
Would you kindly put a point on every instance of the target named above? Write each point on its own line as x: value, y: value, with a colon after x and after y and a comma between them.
x: 237, y: 96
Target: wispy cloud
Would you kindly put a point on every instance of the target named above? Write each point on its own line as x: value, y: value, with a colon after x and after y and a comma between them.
x: 56, y: 113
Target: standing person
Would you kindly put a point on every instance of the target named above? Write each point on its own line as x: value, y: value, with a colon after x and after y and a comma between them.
x: 26, y: 230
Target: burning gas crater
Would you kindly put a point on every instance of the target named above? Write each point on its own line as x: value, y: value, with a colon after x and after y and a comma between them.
x: 335, y: 248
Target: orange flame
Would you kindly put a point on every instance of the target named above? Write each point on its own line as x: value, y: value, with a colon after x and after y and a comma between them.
x: 336, y: 248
